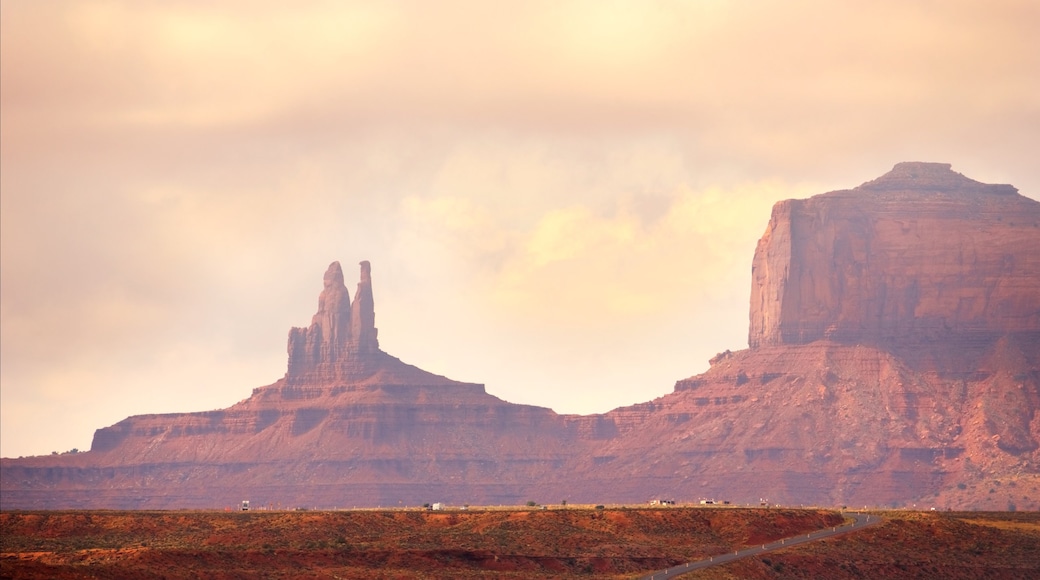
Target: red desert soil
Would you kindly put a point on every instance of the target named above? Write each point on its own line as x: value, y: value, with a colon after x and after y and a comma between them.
x: 946, y: 545
x: 507, y: 544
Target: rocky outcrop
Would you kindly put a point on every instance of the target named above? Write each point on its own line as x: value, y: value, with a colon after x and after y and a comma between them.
x: 341, y: 343
x: 919, y: 256
x: 834, y: 423
x: 348, y: 423
x: 894, y: 360
x: 341, y: 348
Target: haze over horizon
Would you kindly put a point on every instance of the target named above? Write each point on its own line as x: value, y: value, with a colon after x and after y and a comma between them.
x: 559, y: 200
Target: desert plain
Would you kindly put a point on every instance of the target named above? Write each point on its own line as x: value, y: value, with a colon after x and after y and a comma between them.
x: 515, y: 543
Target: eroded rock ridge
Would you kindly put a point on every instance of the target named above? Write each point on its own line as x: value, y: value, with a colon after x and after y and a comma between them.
x: 894, y: 360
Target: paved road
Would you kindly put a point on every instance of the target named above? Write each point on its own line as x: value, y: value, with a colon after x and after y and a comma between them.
x: 859, y: 521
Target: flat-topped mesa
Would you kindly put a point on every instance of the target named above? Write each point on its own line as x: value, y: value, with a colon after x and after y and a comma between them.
x: 341, y: 342
x: 921, y: 255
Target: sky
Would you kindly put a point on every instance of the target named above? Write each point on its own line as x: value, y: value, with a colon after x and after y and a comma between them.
x: 559, y: 199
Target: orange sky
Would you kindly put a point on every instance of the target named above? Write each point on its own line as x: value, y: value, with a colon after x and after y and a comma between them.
x: 559, y: 199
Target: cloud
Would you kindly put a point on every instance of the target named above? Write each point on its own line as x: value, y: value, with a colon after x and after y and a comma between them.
x: 559, y: 199
x: 554, y: 298
x: 575, y: 265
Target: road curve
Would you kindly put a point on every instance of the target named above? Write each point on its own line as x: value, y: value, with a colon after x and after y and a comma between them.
x: 859, y: 521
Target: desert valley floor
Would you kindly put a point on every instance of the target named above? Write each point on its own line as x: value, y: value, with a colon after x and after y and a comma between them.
x: 510, y: 543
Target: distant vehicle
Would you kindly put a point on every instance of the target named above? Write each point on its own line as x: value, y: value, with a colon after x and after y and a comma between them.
x: 707, y: 502
x: 662, y: 502
x: 437, y: 507
x: 245, y: 505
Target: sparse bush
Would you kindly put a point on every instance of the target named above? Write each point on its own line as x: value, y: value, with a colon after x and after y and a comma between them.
x: 531, y: 503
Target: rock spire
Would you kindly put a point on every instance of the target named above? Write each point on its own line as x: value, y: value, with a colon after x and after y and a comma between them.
x: 363, y: 327
x: 341, y: 338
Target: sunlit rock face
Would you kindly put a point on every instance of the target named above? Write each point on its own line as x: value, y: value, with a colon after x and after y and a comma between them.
x: 894, y: 353
x: 918, y: 256
x: 894, y: 360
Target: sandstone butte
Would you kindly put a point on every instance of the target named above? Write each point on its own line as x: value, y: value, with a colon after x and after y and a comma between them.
x: 893, y: 360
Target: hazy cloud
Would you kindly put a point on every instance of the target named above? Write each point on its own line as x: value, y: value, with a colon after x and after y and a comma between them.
x: 559, y: 199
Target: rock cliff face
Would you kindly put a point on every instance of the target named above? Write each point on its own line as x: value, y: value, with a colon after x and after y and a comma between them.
x: 894, y: 360
x: 895, y: 346
x: 918, y: 255
x: 833, y: 423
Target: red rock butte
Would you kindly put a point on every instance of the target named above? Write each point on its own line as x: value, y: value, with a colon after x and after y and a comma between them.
x: 856, y: 266
x: 894, y: 360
